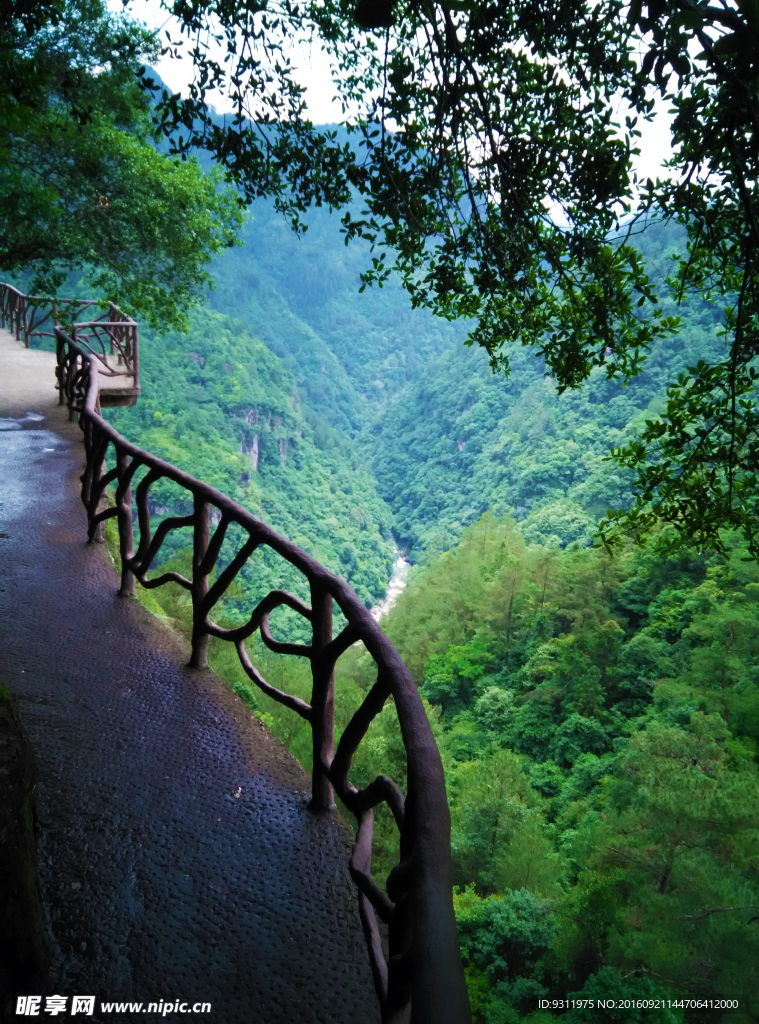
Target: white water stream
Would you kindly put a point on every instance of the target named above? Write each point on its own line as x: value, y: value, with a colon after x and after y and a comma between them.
x: 395, y: 586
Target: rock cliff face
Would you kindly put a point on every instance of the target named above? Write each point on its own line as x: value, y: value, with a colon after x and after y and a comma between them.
x: 253, y: 453
x: 22, y: 929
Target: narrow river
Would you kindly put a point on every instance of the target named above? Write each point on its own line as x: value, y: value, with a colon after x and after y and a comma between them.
x: 395, y: 586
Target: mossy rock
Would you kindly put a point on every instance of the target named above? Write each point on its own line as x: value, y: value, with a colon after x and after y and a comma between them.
x: 22, y: 924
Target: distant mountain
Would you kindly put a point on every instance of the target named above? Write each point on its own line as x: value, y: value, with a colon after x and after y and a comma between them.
x: 350, y: 353
x: 348, y: 419
x: 219, y: 404
x: 446, y: 439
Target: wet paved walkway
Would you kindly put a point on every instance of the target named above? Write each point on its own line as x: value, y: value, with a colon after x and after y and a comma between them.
x: 159, y: 881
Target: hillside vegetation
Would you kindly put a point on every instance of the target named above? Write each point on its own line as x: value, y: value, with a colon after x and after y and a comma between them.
x: 218, y: 404
x: 598, y: 717
x: 599, y: 721
x: 377, y: 386
x: 446, y: 438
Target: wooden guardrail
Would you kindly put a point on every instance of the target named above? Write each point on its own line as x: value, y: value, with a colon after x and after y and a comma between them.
x: 111, y: 336
x: 415, y: 957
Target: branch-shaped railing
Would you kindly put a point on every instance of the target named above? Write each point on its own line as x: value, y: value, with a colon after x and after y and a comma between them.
x: 111, y: 336
x: 421, y: 977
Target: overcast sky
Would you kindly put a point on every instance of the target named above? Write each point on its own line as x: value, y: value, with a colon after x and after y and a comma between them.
x: 315, y: 74
x: 310, y: 61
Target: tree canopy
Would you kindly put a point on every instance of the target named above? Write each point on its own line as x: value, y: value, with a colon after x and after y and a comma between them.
x: 82, y: 185
x: 493, y: 156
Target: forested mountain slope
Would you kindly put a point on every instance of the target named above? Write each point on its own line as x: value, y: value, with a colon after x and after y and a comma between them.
x: 269, y: 391
x: 599, y: 721
x: 218, y: 404
x: 407, y: 431
x: 374, y: 421
x: 462, y: 441
x: 446, y: 438
x: 349, y: 352
x: 598, y: 718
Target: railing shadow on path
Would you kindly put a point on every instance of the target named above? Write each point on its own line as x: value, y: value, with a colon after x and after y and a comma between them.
x: 421, y: 980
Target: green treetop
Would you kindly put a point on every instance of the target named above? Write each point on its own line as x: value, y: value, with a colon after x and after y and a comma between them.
x: 82, y: 185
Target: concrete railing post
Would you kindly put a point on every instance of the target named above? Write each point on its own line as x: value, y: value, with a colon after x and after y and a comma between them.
x: 322, y: 701
x: 201, y: 533
x: 126, y: 533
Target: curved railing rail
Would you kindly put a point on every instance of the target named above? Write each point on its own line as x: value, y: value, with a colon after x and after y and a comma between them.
x: 421, y: 979
x: 110, y: 334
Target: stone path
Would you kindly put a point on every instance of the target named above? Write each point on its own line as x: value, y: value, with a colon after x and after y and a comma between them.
x: 178, y: 858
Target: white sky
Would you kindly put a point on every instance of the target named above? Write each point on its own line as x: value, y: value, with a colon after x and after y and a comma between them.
x: 322, y: 106
x: 177, y: 73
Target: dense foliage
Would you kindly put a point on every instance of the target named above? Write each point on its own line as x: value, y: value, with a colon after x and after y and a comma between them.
x: 447, y: 439
x: 598, y: 715
x: 385, y: 388
x: 599, y: 718
x: 460, y: 440
x: 218, y: 404
x: 494, y: 161
x: 350, y: 353
x: 82, y: 185
x: 275, y: 425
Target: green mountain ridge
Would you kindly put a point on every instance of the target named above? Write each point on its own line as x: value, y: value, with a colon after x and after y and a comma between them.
x: 220, y: 405
x: 385, y: 403
x: 445, y: 438
x: 597, y: 716
x: 348, y: 352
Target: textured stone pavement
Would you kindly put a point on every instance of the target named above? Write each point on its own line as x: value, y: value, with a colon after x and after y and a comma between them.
x: 159, y: 882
